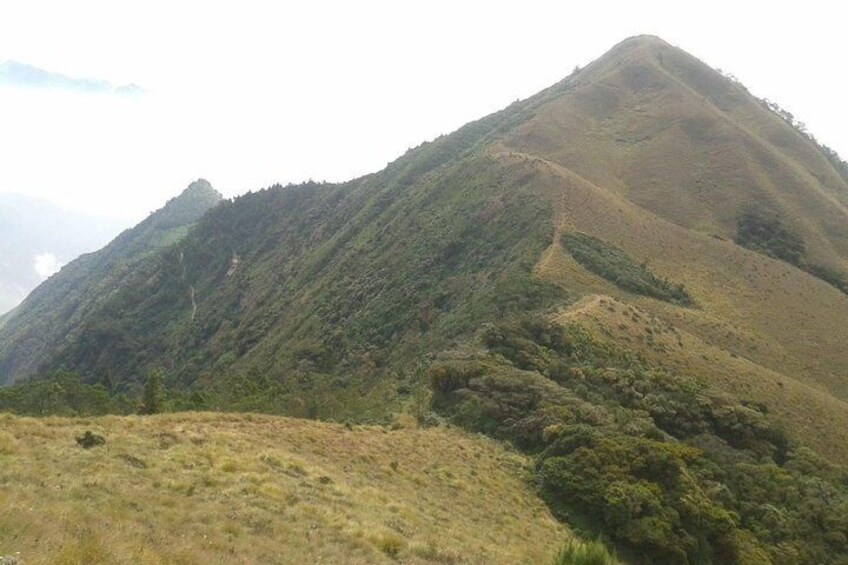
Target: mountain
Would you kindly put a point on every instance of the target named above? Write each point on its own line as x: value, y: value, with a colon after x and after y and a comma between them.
x: 637, y: 275
x: 53, y: 312
x: 22, y: 75
x: 647, y: 149
x: 37, y: 237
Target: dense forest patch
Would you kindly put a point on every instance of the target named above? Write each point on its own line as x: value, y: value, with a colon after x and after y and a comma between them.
x: 619, y: 268
x: 768, y: 234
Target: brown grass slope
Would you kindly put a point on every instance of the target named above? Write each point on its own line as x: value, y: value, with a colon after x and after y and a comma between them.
x: 659, y: 155
x: 210, y: 488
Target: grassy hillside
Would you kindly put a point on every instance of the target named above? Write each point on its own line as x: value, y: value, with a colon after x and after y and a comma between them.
x: 327, y: 299
x: 209, y: 488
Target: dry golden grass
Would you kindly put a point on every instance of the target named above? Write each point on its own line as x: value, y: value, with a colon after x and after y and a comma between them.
x: 213, y: 488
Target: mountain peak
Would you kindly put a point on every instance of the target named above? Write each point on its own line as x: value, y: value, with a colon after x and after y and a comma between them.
x: 634, y: 48
x: 199, y: 192
x: 201, y: 186
x: 643, y: 40
x: 190, y: 205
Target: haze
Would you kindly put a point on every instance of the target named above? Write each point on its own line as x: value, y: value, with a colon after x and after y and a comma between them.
x: 256, y: 93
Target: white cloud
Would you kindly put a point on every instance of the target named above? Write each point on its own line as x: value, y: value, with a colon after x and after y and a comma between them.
x: 46, y: 264
x: 251, y: 93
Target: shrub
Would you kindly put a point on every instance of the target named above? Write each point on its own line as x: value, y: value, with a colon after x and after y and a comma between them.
x: 89, y: 439
x: 447, y: 377
x: 585, y: 553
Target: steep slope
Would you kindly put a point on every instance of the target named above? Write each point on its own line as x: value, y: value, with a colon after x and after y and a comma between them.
x: 53, y: 312
x: 35, y: 236
x: 208, y: 488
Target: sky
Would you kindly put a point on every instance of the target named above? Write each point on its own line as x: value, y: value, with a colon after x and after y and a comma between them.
x: 247, y: 94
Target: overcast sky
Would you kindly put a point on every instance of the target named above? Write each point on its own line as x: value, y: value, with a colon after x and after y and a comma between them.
x: 246, y: 94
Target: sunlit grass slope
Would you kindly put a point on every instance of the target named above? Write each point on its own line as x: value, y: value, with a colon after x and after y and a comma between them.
x: 211, y: 488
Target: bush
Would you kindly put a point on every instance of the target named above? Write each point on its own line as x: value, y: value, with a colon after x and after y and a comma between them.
x: 89, y: 439
x: 450, y: 376
x: 585, y: 553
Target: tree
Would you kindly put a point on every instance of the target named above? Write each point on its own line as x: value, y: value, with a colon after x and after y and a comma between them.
x: 152, y: 398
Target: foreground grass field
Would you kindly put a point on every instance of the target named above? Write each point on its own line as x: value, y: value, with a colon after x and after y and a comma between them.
x: 220, y: 488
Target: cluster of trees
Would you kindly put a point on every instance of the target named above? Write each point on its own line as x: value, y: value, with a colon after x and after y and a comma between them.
x: 768, y: 234
x: 668, y: 470
x: 831, y: 155
x: 619, y: 268
x: 65, y: 394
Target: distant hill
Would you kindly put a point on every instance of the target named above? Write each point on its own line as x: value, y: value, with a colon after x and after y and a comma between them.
x: 36, y: 237
x: 53, y: 311
x: 22, y: 75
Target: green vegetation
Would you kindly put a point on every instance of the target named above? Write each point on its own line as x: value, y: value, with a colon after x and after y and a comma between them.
x: 585, y: 553
x: 620, y: 269
x: 769, y: 235
x: 152, y: 398
x: 63, y: 394
x: 669, y: 470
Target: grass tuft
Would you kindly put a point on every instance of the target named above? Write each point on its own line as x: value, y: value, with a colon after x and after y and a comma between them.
x: 585, y: 553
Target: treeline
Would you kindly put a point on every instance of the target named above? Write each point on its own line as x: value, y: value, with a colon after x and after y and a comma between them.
x: 656, y: 462
x: 63, y: 394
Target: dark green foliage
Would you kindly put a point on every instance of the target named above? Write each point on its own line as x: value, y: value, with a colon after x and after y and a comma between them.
x: 89, y: 439
x: 620, y: 269
x: 670, y: 471
x: 63, y: 395
x: 768, y: 234
x: 153, y: 396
